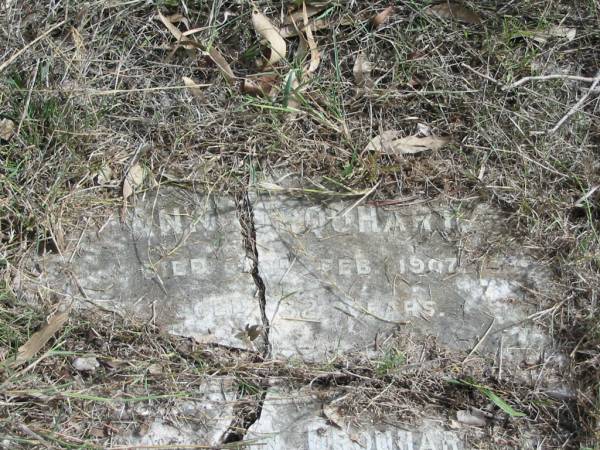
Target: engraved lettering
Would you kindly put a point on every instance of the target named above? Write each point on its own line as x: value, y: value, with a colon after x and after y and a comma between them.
x: 326, y: 265
x: 416, y: 265
x: 405, y: 440
x: 412, y: 308
x: 367, y: 220
x: 342, y: 223
x: 179, y: 268
x: 314, y: 218
x: 452, y: 262
x: 423, y: 222
x: 170, y: 223
x: 345, y: 266
x: 199, y: 266
x: 362, y: 266
x: 394, y: 223
x: 435, y: 266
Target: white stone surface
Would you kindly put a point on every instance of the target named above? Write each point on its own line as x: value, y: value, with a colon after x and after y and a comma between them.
x: 339, y: 277
x: 177, y: 260
x: 295, y: 420
x: 200, y: 420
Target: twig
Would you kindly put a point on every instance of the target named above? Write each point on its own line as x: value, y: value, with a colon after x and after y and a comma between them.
x: 487, y: 77
x: 481, y: 340
x: 10, y: 60
x: 548, y: 77
x: 577, y: 105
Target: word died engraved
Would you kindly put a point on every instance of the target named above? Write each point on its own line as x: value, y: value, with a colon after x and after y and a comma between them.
x: 415, y: 265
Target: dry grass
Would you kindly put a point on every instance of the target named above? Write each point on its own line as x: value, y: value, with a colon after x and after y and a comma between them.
x: 105, y: 88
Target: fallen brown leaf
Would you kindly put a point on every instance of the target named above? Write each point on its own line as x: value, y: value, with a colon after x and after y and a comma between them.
x: 182, y: 41
x: 452, y: 10
x: 311, y: 10
x: 7, y: 129
x: 292, y: 30
x: 39, y: 339
x: 265, y: 29
x: 467, y: 418
x: 222, y: 64
x: 555, y: 31
x: 380, y: 18
x: 259, y: 85
x: 315, y: 56
x: 362, y: 70
x: 390, y: 144
x: 133, y: 179
x: 193, y: 87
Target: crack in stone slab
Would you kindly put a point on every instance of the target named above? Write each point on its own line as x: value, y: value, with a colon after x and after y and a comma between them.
x: 248, y: 412
x: 246, y: 217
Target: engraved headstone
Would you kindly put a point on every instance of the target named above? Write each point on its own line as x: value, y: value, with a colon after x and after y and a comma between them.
x: 203, y: 418
x: 177, y: 259
x: 338, y: 277
x: 296, y: 420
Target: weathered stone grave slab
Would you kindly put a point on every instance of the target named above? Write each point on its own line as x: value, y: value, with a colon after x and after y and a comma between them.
x: 202, y: 419
x: 177, y: 259
x: 338, y: 277
x: 296, y: 420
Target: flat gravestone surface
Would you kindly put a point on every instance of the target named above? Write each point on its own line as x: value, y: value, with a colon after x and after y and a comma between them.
x: 177, y: 259
x: 202, y: 419
x: 338, y: 277
x: 293, y: 420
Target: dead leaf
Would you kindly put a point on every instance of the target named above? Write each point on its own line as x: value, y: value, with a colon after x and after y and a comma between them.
x: 264, y: 28
x: 86, y: 364
x: 193, y: 87
x: 452, y: 10
x: 555, y: 31
x: 311, y: 10
x: 222, y: 64
x: 380, y: 18
x: 333, y: 415
x: 362, y: 70
x: 7, y: 129
x: 103, y: 175
x: 172, y: 28
x: 315, y: 57
x: 259, y: 85
x: 390, y: 143
x: 38, y: 340
x: 177, y: 34
x: 292, y: 30
x: 467, y: 418
x: 155, y: 369
x: 250, y: 333
x: 133, y: 179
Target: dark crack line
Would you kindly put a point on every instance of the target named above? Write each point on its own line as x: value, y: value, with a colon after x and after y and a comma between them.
x: 249, y: 407
x: 246, y: 217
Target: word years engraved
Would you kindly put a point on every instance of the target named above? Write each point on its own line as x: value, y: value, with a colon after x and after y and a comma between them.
x: 389, y: 440
x: 414, y: 264
x: 365, y: 219
x: 419, y: 304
